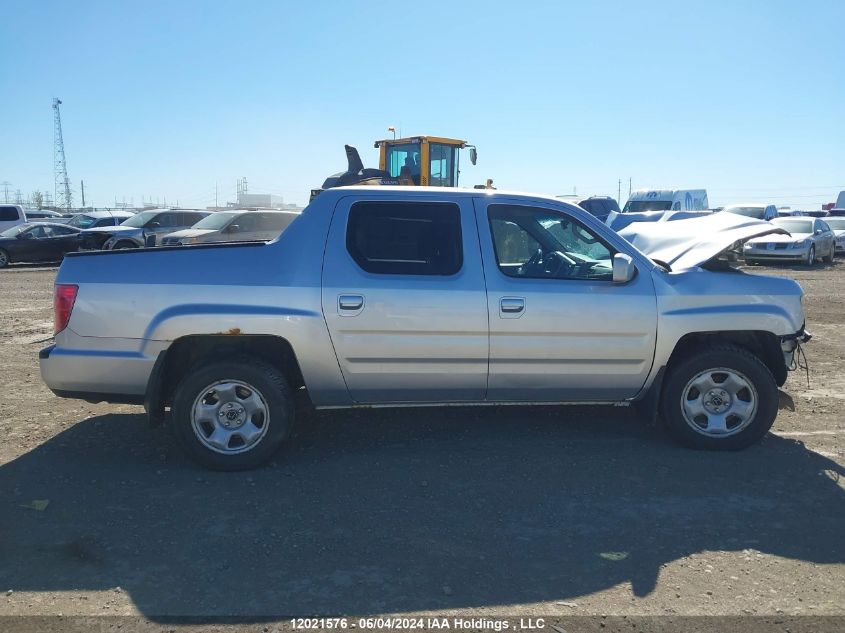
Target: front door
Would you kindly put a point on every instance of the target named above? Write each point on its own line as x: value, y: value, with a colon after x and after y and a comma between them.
x: 560, y: 328
x: 404, y: 300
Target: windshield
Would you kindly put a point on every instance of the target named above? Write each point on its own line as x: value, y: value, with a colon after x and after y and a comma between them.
x: 215, y: 221
x: 795, y: 226
x: 12, y: 232
x: 638, y: 206
x: 81, y: 221
x: 751, y: 212
x: 837, y: 224
x: 140, y: 219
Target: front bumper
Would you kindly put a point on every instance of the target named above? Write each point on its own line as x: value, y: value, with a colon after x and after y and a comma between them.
x: 790, y: 343
x: 763, y: 253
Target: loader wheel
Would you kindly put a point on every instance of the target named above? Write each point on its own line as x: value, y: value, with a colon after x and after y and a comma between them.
x: 719, y: 398
x: 232, y: 415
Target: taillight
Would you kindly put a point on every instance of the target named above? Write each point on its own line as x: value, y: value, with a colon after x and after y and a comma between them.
x: 63, y: 299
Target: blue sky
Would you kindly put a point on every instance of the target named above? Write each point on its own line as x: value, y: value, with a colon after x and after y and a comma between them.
x: 165, y: 99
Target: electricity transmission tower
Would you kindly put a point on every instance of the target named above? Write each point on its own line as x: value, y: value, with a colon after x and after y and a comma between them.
x: 62, y: 184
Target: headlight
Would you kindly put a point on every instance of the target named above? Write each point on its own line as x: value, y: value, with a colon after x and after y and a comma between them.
x: 189, y: 240
x: 800, y: 244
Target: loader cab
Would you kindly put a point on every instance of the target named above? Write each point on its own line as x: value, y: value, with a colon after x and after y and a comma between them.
x: 423, y: 160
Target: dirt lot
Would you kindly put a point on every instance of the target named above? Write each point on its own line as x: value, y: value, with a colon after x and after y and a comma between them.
x: 495, y: 511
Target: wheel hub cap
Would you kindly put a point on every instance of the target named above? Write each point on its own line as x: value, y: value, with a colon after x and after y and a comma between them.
x: 230, y: 416
x: 717, y: 401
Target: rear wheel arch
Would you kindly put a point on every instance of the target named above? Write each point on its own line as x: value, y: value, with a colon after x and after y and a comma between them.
x: 192, y: 351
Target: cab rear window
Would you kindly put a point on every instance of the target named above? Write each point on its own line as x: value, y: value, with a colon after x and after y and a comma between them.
x: 405, y: 238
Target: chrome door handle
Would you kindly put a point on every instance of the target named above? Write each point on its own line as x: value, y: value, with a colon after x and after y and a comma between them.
x: 349, y: 305
x: 511, y: 306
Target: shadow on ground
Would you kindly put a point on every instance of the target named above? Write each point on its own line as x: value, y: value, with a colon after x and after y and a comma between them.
x: 378, y: 511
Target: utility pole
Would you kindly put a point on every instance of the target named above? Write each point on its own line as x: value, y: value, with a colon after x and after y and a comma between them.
x: 61, y: 182
x: 18, y: 197
x: 82, y: 185
x: 629, y: 186
x: 619, y: 192
x: 5, y: 184
x: 215, y: 197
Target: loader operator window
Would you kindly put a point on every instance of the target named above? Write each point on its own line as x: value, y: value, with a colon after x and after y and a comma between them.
x: 403, y: 161
x: 442, y: 161
x: 540, y: 243
x: 405, y: 238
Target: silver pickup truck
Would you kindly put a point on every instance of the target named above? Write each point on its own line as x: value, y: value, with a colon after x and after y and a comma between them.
x: 394, y: 296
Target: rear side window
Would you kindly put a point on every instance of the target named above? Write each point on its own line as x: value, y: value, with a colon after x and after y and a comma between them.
x: 405, y: 238
x: 8, y: 213
x: 189, y: 219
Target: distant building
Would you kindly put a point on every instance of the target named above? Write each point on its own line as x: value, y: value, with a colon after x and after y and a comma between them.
x: 263, y: 200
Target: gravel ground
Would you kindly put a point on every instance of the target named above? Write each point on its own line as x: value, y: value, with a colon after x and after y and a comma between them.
x: 506, y: 511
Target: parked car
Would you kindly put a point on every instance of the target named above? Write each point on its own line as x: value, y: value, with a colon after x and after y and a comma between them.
x: 233, y: 226
x: 142, y: 229
x: 421, y: 296
x: 37, y: 242
x: 758, y: 211
x: 808, y: 239
x: 667, y: 200
x: 598, y: 206
x: 96, y: 219
x: 46, y: 215
x: 11, y: 215
x: 837, y: 225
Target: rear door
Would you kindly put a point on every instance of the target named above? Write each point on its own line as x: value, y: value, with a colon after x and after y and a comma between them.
x: 404, y: 300
x: 560, y: 328
x: 64, y: 240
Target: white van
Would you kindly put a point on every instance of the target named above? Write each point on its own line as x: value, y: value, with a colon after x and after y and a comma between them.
x: 11, y: 215
x: 667, y: 200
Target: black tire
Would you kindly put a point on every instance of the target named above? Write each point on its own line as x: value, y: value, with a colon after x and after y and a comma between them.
x: 811, y: 255
x: 830, y: 255
x: 4, y: 258
x: 264, y: 378
x: 124, y: 244
x: 700, y: 360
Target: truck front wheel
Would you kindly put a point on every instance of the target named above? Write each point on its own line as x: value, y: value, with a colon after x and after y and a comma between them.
x: 232, y: 415
x: 721, y: 398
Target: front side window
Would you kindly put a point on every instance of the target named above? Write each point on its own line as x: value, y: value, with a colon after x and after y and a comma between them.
x: 405, y: 238
x: 543, y: 244
x: 404, y: 161
x: 442, y: 161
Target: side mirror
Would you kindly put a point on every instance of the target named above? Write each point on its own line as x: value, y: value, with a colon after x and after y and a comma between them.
x: 623, y: 268
x: 154, y: 225
x: 473, y: 155
x: 234, y: 228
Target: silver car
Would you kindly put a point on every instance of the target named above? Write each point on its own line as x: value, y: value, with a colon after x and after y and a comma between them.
x: 233, y: 226
x: 837, y: 225
x: 809, y: 239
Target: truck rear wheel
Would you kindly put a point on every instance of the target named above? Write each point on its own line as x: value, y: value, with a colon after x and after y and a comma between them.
x: 232, y: 415
x: 721, y: 398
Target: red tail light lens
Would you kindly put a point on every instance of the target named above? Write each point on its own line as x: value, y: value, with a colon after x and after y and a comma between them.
x: 63, y: 300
